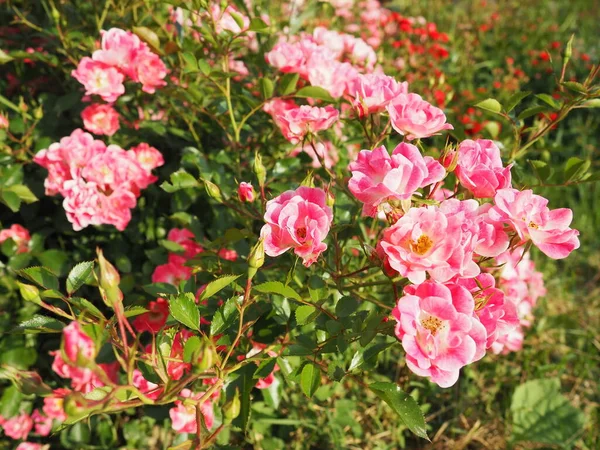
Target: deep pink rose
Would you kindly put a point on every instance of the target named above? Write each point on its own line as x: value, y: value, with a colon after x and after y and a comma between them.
x: 371, y: 93
x: 19, y: 235
x: 246, y: 192
x: 154, y: 320
x: 300, y: 220
x: 297, y: 122
x: 438, y: 330
x: 100, y: 79
x: 100, y: 119
x: 480, y: 169
x: 18, y: 427
x: 415, y: 118
x: 529, y: 215
x: 183, y: 415
x: 378, y: 177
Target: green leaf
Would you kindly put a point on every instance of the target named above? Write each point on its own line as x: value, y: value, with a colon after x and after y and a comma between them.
x: 403, y: 404
x: 287, y: 83
x: 190, y: 347
x: 11, y: 200
x: 204, y: 67
x: 40, y: 324
x: 542, y: 170
x: 258, y: 25
x: 79, y: 275
x: 514, y: 100
x: 549, y: 100
x: 265, y: 368
x: 238, y: 19
x: 491, y: 105
x: 191, y: 64
x: 266, y: 88
x: 4, y: 57
x: 575, y: 86
x: 576, y: 168
x: 346, y: 306
x: 368, y: 355
x: 315, y: 92
x: 10, y: 402
x: 133, y: 311
x: 224, y: 316
x: 310, y: 379
x: 179, y: 180
x: 160, y: 289
x: 305, y: 313
x: 84, y: 305
x: 23, y: 192
x: 277, y: 287
x: 183, y: 309
x: 593, y: 103
x: 217, y: 285
x: 148, y: 36
x: 55, y: 260
x: 541, y: 414
x: 41, y: 276
x: 534, y: 110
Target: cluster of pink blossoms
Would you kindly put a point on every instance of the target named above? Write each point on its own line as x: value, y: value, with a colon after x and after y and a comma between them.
x: 122, y: 55
x: 100, y: 184
x: 19, y: 235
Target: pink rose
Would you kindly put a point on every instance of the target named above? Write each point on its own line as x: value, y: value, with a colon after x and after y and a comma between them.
x: 371, y: 93
x: 151, y: 71
x: 439, y: 331
x: 480, y: 169
x: 149, y: 389
x: 187, y: 240
x: 224, y: 20
x: 529, y: 215
x: 120, y: 49
x: 19, y: 235
x: 43, y: 424
x: 171, y: 273
x: 296, y: 123
x: 183, y: 415
x: 415, y: 118
x: 331, y: 75
x: 53, y: 404
x: 4, y: 123
x: 288, y: 58
x: 378, y: 177
x: 100, y: 119
x: 148, y: 157
x: 18, y: 427
x: 100, y: 79
x: 77, y: 345
x: 154, y: 320
x: 510, y: 342
x: 246, y: 192
x: 300, y: 220
x: 32, y: 446
x: 176, y: 368
x: 428, y: 241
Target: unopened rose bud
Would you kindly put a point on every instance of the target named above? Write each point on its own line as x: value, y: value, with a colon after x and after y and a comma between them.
x: 213, y: 191
x: 246, y: 192
x: 256, y: 258
x: 4, y: 123
x: 30, y: 293
x: 31, y: 383
x: 308, y: 180
x: 204, y: 357
x: 109, y: 282
x: 330, y: 197
x: 232, y: 408
x: 259, y: 170
x: 77, y: 347
x: 38, y: 113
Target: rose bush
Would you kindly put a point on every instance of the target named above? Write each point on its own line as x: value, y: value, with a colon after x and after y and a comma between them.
x: 237, y: 230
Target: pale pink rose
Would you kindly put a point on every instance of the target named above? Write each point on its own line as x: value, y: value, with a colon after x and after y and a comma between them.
x: 151, y: 71
x: 148, y: 157
x: 497, y: 314
x: 224, y: 21
x: 154, y: 320
x: 53, y: 404
x: 82, y: 204
x: 246, y: 192
x: 32, y: 446
x: 19, y: 235
x: 183, y: 415
x: 18, y: 427
x: 371, y: 93
x: 427, y: 241
x: 4, y: 123
x: 415, y: 118
x: 228, y: 254
x: 321, y: 151
x: 149, y: 389
x: 187, y: 240
x: 378, y: 177
x: 240, y: 68
x: 331, y: 75
x: 360, y: 52
x: 442, y: 194
x: 300, y: 220
x: 529, y: 215
x: 510, y: 342
x: 42, y: 423
x: 331, y: 39
x: 100, y: 119
x: 519, y: 279
x: 296, y: 123
x: 439, y: 331
x: 116, y: 208
x: 171, y: 273
x: 480, y: 169
x: 120, y: 49
x: 288, y: 58
x: 492, y: 239
x: 100, y: 79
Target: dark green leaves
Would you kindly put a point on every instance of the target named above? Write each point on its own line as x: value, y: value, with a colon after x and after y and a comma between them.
x: 403, y: 404
x: 514, y: 100
x: 310, y: 379
x: 217, y: 285
x: 180, y: 180
x: 79, y: 275
x: 183, y: 309
x: 40, y: 324
x: 41, y: 276
x: 315, y: 92
x: 491, y: 105
x: 305, y: 313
